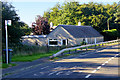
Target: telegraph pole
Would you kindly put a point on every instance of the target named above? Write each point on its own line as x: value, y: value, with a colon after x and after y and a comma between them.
x: 108, y: 24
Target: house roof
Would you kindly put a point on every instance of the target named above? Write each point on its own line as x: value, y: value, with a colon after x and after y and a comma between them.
x: 81, y: 31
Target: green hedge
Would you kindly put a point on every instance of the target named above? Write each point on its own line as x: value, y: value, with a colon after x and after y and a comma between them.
x: 110, y: 34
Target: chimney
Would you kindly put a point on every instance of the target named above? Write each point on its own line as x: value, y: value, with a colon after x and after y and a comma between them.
x: 51, y: 24
x: 79, y: 23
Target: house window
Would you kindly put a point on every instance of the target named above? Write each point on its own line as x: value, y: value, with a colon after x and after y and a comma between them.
x: 52, y: 42
x: 64, y: 41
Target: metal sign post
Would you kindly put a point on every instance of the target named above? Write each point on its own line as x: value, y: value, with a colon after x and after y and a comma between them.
x: 7, y: 23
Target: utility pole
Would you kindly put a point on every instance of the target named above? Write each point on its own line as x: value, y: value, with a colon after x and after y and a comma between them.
x: 108, y: 24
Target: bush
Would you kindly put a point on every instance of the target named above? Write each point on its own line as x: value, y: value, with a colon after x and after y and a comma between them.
x: 110, y: 34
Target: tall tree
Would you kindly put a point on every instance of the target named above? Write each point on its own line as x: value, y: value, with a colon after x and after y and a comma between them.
x: 117, y: 14
x: 14, y: 32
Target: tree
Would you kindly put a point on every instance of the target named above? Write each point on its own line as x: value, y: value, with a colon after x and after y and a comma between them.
x: 14, y: 32
x: 117, y: 14
x: 41, y: 26
x: 92, y: 14
x: 26, y: 30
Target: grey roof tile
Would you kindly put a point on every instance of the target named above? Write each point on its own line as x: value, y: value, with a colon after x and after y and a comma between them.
x: 81, y: 31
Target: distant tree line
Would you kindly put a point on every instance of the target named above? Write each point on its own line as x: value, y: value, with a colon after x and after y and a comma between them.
x: 94, y: 14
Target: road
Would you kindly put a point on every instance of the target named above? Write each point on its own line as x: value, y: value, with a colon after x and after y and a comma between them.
x: 99, y: 64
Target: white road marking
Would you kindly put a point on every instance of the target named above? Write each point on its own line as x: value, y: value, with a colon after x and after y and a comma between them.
x: 45, y: 67
x: 113, y: 57
x: 59, y: 73
x: 80, y: 71
x: 116, y: 55
x: 99, y: 67
x: 94, y: 71
x: 103, y: 64
x: 52, y: 73
x: 110, y: 59
x: 88, y: 76
x: 106, y: 62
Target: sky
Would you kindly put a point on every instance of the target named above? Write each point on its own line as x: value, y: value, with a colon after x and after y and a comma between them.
x: 28, y: 9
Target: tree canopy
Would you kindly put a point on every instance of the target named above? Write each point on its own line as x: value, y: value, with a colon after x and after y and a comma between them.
x: 17, y: 29
x: 92, y: 14
x: 117, y: 14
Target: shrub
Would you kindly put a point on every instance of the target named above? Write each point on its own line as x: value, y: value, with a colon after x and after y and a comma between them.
x: 110, y: 34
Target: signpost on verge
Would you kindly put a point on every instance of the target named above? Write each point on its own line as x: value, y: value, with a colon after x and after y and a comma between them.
x: 7, y: 23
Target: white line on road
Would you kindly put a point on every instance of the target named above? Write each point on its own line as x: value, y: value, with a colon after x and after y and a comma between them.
x: 106, y: 62
x: 99, y: 67
x: 88, y: 76
x: 116, y: 55
x: 80, y: 71
x: 59, y: 73
x: 94, y: 71
x: 110, y: 59
x: 45, y: 67
x: 113, y: 57
x: 52, y: 73
x: 103, y: 64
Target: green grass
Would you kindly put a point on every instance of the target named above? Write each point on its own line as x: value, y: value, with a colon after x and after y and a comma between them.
x: 4, y: 65
x: 24, y: 58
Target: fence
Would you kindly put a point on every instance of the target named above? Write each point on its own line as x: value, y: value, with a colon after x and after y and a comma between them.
x: 84, y: 46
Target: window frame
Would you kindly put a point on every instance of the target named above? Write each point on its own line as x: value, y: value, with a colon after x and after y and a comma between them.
x: 52, y: 40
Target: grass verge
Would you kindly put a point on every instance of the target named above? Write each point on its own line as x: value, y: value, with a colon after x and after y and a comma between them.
x: 25, y: 58
x: 4, y: 65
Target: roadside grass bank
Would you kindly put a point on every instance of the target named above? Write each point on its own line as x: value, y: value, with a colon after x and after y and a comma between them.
x: 35, y: 56
x: 4, y: 65
x: 38, y: 55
